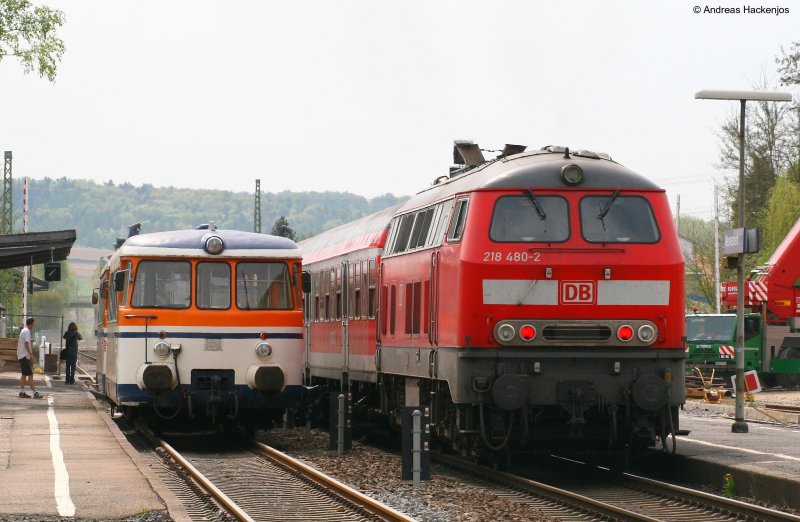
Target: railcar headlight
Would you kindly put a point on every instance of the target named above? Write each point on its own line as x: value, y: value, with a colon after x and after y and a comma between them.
x: 571, y: 174
x: 506, y: 332
x: 263, y: 350
x: 646, y: 333
x: 625, y: 333
x: 527, y: 332
x: 161, y: 349
x: 214, y: 245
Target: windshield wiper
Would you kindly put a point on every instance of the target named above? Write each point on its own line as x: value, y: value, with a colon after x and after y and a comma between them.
x: 607, y: 206
x: 244, y: 284
x: 539, y: 210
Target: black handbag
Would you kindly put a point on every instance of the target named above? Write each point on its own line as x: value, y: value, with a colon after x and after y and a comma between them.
x: 63, y: 354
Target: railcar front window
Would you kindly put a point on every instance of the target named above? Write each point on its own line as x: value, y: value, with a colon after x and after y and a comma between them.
x: 618, y: 219
x: 263, y: 286
x: 517, y: 220
x: 162, y: 284
x: 213, y: 286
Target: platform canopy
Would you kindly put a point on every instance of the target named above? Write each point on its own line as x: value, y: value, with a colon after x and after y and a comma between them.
x: 35, y: 248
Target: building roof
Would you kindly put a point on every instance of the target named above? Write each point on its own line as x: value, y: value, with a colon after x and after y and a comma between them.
x: 35, y: 248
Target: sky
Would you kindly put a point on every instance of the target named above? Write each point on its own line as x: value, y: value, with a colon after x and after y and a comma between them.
x: 367, y: 96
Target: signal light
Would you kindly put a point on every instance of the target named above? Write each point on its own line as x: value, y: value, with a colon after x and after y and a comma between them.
x: 527, y: 332
x: 506, y: 332
x: 262, y: 336
x: 162, y: 334
x: 625, y: 333
x: 730, y: 262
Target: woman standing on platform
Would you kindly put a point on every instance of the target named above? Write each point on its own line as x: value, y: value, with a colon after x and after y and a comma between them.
x: 72, y: 336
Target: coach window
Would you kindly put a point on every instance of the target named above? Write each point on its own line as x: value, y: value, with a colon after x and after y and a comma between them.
x: 339, y: 284
x: 522, y: 219
x: 356, y: 306
x: 263, y: 286
x: 406, y: 223
x: 459, y: 221
x: 162, y: 284
x: 213, y: 286
x: 372, y: 289
x: 618, y: 219
x: 441, y: 222
x: 315, y: 285
x: 421, y: 228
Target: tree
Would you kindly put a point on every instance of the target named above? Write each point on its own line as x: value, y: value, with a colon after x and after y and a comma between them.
x: 29, y: 33
x: 783, y: 210
x: 769, y: 151
x: 789, y: 69
x: 701, y: 287
x: 282, y: 228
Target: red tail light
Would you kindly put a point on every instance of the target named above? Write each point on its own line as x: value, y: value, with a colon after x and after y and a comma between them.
x: 527, y: 332
x: 263, y: 335
x: 624, y: 333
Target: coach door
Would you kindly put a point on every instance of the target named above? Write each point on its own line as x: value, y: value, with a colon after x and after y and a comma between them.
x: 433, y: 304
x: 342, y: 310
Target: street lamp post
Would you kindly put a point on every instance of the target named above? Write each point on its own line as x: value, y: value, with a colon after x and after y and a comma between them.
x: 739, y: 424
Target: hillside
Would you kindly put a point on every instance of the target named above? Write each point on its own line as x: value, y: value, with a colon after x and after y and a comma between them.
x: 102, y: 212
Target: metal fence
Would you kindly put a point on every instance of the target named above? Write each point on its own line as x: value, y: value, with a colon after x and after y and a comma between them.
x: 51, y: 327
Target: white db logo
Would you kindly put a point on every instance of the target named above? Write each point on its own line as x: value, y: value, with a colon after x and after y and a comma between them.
x: 577, y: 292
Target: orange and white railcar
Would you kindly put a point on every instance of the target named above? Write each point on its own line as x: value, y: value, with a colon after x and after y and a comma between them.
x: 201, y: 324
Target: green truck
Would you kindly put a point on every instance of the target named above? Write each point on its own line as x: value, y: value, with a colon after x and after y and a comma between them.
x: 771, y: 350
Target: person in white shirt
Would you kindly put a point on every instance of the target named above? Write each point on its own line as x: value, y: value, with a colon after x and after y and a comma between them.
x: 25, y: 356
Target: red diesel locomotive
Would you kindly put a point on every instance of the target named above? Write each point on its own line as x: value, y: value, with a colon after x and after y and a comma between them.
x: 528, y: 301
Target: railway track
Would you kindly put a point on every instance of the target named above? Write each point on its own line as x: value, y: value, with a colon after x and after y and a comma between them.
x: 261, y: 484
x: 602, y: 495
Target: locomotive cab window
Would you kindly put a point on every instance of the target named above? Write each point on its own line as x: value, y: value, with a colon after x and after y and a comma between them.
x: 523, y: 219
x: 263, y: 286
x: 618, y: 219
x: 459, y: 221
x: 213, y: 286
x: 162, y: 284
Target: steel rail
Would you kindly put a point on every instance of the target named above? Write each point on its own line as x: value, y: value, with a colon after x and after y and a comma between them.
x: 589, y: 505
x: 204, y: 483
x: 371, y: 505
x: 753, y: 511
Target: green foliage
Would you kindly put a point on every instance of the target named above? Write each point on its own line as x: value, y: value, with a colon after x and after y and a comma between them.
x: 102, y: 212
x: 281, y: 228
x: 701, y: 286
x: 782, y: 211
x: 728, y: 486
x: 29, y: 33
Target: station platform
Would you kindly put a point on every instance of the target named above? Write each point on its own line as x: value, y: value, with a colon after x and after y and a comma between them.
x: 62, y: 456
x: 764, y: 463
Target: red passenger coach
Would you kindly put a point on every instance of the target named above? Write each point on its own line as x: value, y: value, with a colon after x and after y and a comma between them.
x: 532, y: 300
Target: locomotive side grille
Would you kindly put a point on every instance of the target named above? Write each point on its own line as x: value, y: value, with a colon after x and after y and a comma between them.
x: 576, y: 333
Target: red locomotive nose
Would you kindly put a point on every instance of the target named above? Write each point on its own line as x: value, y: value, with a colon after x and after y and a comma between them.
x: 527, y: 332
x: 625, y: 333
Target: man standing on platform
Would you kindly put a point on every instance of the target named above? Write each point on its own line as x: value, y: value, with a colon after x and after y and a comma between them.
x: 25, y: 356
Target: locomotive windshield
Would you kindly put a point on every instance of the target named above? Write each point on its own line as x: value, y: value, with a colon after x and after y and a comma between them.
x: 618, y: 219
x: 522, y: 219
x: 162, y: 284
x: 263, y: 286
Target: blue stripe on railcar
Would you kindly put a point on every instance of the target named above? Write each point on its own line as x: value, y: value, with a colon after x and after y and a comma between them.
x: 128, y: 393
